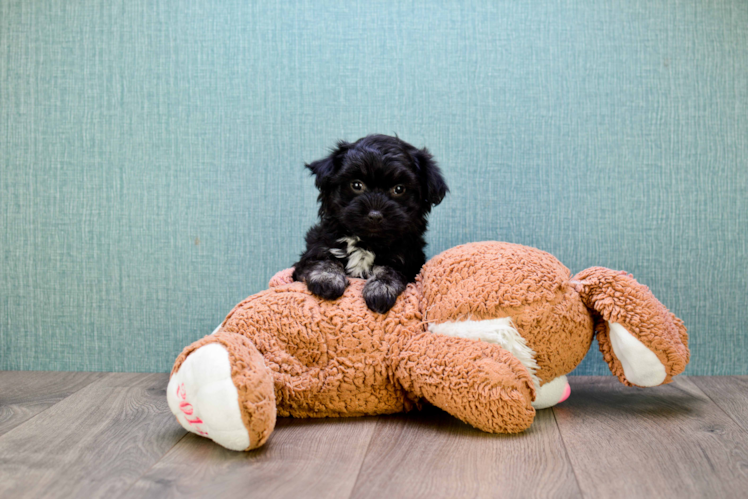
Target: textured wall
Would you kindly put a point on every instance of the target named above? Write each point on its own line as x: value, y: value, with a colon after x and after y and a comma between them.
x: 152, y: 153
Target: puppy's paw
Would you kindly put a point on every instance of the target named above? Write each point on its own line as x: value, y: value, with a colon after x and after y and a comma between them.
x: 380, y: 295
x: 327, y: 283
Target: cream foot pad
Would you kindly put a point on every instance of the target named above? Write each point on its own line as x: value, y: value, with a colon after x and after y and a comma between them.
x: 554, y: 392
x: 203, y: 398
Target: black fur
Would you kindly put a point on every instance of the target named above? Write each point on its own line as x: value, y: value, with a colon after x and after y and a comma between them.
x: 376, y: 218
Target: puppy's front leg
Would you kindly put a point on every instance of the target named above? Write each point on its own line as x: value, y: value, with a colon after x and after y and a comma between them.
x: 383, y: 288
x: 324, y: 278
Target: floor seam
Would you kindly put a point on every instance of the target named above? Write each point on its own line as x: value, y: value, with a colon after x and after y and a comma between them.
x: 145, y: 472
x: 566, y: 452
x: 35, y: 416
x: 366, y: 454
x: 740, y: 425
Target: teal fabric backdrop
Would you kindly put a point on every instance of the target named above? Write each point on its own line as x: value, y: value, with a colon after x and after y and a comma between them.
x: 152, y: 153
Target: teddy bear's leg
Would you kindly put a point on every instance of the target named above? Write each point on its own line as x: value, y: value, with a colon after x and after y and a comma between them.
x: 643, y: 343
x: 221, y: 389
x: 481, y: 384
x: 502, y: 331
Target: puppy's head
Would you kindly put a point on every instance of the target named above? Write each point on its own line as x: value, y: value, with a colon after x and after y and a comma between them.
x: 378, y: 187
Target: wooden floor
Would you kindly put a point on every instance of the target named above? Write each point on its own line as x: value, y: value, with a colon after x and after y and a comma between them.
x: 111, y: 435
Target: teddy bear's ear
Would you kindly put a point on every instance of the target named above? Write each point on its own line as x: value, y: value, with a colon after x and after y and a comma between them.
x: 433, y: 185
x: 643, y: 343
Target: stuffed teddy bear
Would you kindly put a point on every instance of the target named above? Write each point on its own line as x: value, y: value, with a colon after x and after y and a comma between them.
x: 487, y: 333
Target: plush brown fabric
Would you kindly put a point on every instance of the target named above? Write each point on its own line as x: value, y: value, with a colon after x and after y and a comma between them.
x: 495, y: 280
x: 338, y: 358
x: 617, y: 297
x: 479, y: 383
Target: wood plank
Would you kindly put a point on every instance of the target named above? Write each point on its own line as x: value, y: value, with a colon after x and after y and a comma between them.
x: 667, y: 441
x: 433, y: 455
x: 24, y: 394
x: 95, y: 443
x: 729, y: 393
x: 313, y: 458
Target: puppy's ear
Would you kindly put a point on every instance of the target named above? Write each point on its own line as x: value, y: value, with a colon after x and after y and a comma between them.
x: 324, y: 170
x: 432, y: 182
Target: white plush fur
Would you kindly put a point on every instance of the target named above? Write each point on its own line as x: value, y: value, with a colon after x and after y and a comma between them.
x: 499, y: 331
x: 204, y: 399
x: 641, y: 366
x: 550, y: 393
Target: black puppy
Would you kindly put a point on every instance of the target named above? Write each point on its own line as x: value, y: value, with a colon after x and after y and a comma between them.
x: 375, y: 195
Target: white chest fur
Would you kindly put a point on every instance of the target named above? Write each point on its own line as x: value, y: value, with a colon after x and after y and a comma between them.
x: 360, y: 261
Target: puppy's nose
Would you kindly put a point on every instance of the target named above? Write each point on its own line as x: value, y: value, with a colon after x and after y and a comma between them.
x: 375, y: 216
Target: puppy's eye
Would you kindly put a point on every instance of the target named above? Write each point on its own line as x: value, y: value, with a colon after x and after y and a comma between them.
x: 358, y: 186
x: 398, y: 190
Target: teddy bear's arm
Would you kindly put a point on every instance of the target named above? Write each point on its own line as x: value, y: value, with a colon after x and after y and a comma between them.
x: 481, y: 384
x: 643, y: 343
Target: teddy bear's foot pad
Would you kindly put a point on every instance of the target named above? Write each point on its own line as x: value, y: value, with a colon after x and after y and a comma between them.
x: 204, y: 399
x: 640, y: 365
x: 552, y: 393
